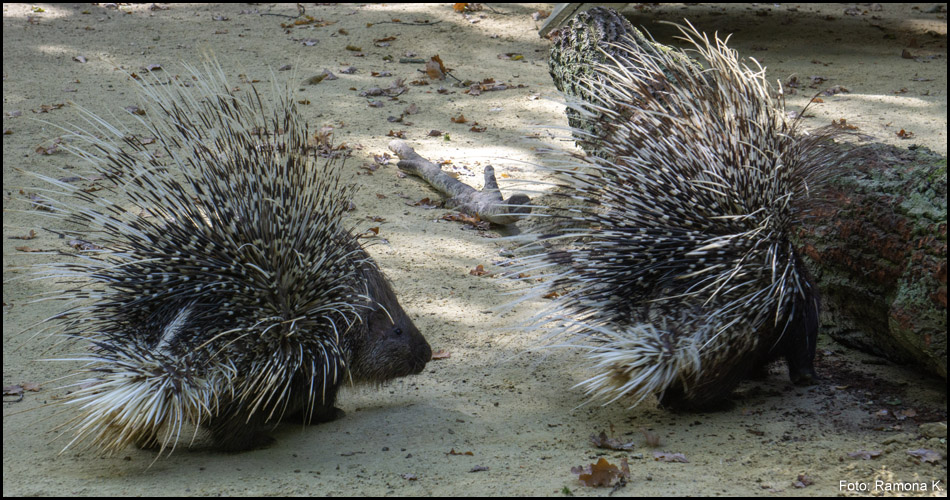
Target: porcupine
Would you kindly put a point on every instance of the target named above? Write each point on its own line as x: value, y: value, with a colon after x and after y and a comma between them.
x: 673, y: 257
x: 231, y: 299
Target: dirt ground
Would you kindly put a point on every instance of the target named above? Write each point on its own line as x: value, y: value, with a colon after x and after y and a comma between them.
x: 511, y: 407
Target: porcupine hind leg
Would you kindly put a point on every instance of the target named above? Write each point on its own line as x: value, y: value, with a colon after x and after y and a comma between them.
x: 238, y: 427
x: 709, y: 394
x: 801, y: 337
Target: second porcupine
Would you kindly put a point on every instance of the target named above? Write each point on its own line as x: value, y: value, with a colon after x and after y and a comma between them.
x: 672, y: 258
x: 232, y: 299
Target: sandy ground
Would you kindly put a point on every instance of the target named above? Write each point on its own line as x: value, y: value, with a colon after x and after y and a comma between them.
x: 514, y: 409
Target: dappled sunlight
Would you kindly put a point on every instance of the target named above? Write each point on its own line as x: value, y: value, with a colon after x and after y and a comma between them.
x: 882, y: 116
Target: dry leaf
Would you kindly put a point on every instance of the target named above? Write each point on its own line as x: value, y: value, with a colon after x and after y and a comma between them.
x: 435, y: 70
x: 803, y: 481
x: 602, y: 474
x: 924, y: 455
x: 478, y: 271
x: 602, y: 441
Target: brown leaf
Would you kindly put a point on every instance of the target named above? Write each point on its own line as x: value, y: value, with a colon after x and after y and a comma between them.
x: 602, y: 474
x: 803, y: 481
x: 425, y: 203
x: 46, y: 151
x: 475, y: 222
x: 435, y: 70
x: 46, y: 108
x: 441, y: 354
x: 458, y: 119
x: 539, y: 15
x: 602, y: 441
x: 478, y: 271
x: 843, y: 124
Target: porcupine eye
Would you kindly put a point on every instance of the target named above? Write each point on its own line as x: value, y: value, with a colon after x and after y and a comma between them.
x: 397, y: 331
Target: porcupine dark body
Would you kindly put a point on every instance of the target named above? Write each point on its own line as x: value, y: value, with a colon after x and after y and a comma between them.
x: 228, y: 294
x: 672, y: 258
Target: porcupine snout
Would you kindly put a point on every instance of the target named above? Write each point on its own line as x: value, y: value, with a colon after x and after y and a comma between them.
x: 389, y: 345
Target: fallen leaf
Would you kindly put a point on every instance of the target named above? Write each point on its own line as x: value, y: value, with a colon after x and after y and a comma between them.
x: 802, y: 481
x: 478, y: 271
x: 924, y: 455
x: 903, y: 134
x: 435, y: 70
x: 602, y: 473
x: 602, y: 441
